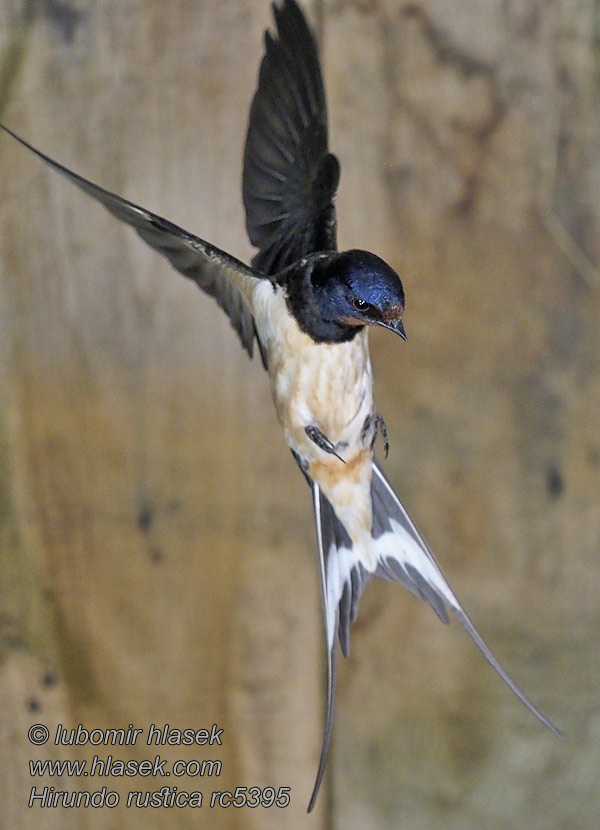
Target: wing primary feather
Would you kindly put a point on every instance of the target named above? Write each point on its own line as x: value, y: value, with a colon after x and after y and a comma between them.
x: 286, y: 150
x: 217, y: 273
x: 301, y: 43
x: 279, y: 218
x: 270, y: 136
x: 269, y: 197
x: 264, y: 167
x: 282, y: 81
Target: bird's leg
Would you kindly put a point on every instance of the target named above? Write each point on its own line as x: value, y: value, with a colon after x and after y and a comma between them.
x: 373, y: 422
x: 379, y: 422
x: 322, y: 441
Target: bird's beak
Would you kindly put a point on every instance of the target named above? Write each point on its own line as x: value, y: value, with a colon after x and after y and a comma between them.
x: 397, y: 326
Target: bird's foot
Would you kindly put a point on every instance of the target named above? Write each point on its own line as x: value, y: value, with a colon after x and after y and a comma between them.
x: 373, y: 422
x: 322, y: 441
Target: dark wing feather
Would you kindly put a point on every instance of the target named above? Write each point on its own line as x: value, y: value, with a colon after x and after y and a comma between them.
x: 217, y: 273
x: 290, y: 178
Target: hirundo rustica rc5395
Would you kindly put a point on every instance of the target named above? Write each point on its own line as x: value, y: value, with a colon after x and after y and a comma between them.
x: 309, y: 307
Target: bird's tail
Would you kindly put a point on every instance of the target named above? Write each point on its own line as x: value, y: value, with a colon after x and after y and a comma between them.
x: 397, y: 552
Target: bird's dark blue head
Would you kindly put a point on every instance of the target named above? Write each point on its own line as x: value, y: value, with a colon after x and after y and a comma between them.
x: 357, y: 288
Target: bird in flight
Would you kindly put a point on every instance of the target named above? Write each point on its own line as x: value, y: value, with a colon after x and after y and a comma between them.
x: 308, y: 308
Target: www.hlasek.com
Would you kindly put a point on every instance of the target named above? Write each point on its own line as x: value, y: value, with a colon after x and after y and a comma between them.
x: 109, y: 766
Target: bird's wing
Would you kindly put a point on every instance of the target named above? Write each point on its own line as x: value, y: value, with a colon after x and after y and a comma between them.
x: 290, y: 178
x: 217, y: 273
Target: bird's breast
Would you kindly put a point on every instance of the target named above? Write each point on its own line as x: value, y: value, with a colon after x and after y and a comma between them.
x: 325, y: 385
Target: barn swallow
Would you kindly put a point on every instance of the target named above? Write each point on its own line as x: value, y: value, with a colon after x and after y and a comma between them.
x: 308, y: 308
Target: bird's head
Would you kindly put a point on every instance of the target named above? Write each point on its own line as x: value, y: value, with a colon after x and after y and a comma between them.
x: 357, y: 288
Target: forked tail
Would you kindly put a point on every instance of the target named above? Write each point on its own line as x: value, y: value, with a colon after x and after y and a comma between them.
x: 402, y: 555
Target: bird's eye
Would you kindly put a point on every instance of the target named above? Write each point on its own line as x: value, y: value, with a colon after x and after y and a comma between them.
x: 360, y: 305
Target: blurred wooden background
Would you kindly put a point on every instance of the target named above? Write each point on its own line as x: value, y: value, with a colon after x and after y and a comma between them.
x: 157, y: 549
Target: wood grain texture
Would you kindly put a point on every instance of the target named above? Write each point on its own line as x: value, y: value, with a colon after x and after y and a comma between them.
x: 157, y: 556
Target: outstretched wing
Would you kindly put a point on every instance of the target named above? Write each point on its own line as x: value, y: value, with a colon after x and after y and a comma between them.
x: 217, y: 273
x: 290, y: 178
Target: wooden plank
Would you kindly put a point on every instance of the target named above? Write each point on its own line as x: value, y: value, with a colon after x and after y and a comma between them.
x: 159, y: 522
x: 158, y: 557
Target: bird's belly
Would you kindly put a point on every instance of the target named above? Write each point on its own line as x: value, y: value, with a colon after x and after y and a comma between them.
x: 327, y: 386
x: 330, y: 387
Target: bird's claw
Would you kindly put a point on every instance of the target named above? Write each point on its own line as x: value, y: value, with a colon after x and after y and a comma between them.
x: 322, y: 441
x: 379, y: 422
x: 374, y: 422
